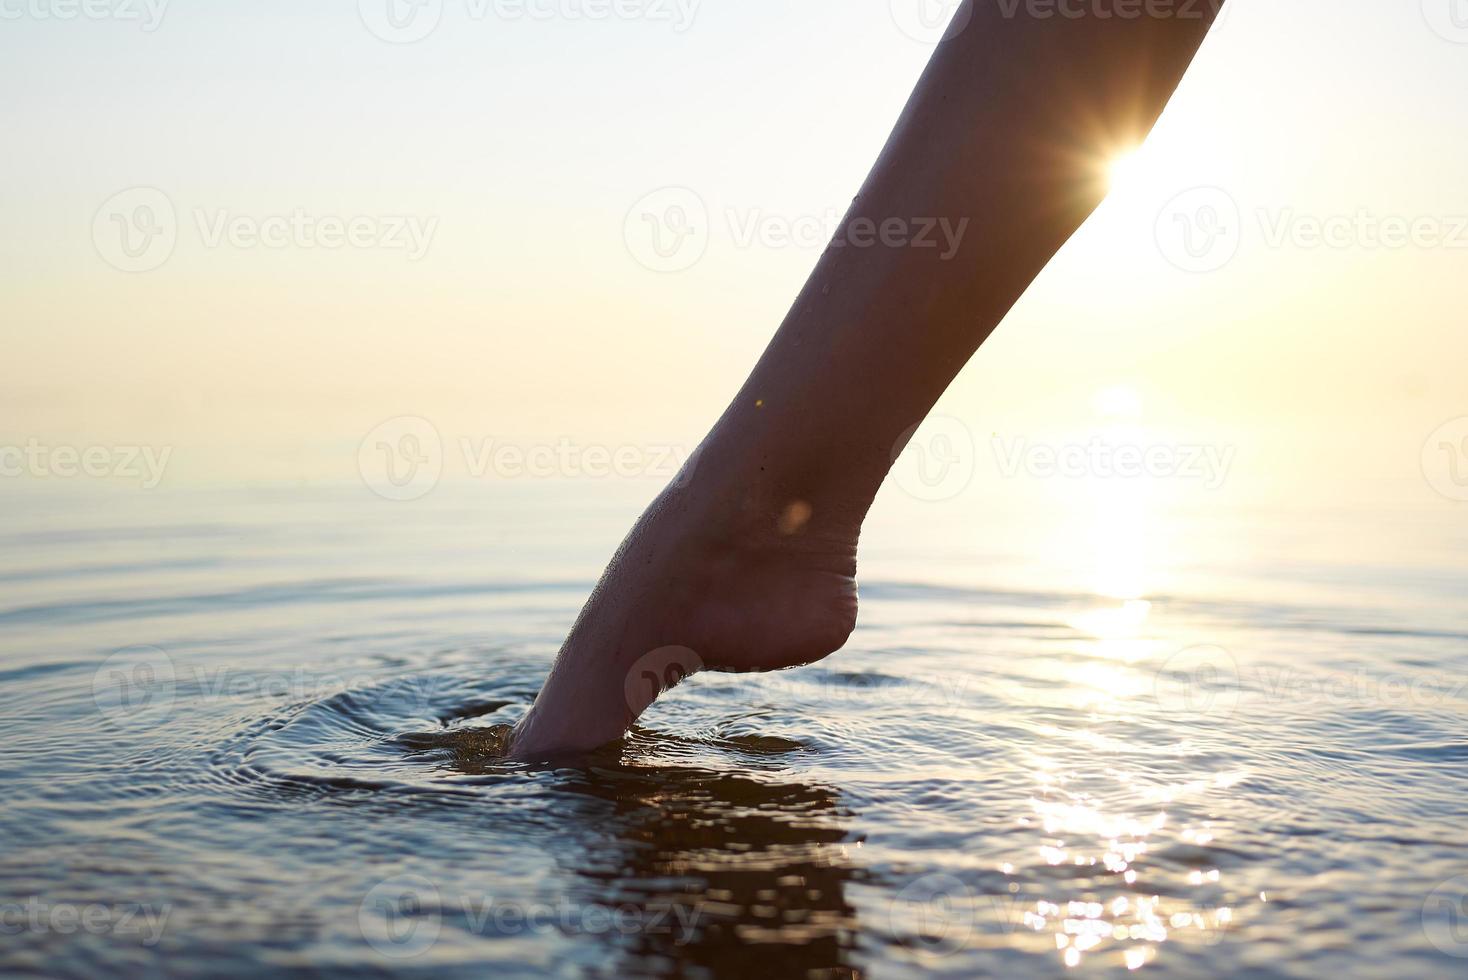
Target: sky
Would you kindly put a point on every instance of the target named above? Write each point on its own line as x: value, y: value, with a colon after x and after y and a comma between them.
x: 253, y: 234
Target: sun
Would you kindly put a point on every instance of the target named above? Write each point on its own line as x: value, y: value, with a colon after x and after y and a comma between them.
x: 1125, y: 170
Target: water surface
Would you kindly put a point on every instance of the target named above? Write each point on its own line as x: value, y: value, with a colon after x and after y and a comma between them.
x: 256, y: 730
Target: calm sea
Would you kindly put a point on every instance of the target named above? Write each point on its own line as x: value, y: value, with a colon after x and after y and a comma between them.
x: 1195, y: 744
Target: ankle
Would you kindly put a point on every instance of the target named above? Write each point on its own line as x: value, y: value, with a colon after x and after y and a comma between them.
x: 746, y: 499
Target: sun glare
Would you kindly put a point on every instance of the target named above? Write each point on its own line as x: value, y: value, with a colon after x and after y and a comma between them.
x: 1118, y: 403
x: 1125, y: 169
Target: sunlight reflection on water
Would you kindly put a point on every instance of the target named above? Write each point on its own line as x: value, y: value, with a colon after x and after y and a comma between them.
x: 990, y: 779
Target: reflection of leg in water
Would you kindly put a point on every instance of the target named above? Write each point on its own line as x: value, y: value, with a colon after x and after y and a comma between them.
x: 730, y: 875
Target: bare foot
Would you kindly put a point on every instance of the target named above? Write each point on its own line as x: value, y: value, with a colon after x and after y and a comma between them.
x: 720, y: 573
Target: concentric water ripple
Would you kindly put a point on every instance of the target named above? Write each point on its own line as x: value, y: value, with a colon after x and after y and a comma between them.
x: 277, y: 739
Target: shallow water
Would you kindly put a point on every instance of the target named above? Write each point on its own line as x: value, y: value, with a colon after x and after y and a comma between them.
x: 257, y: 730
